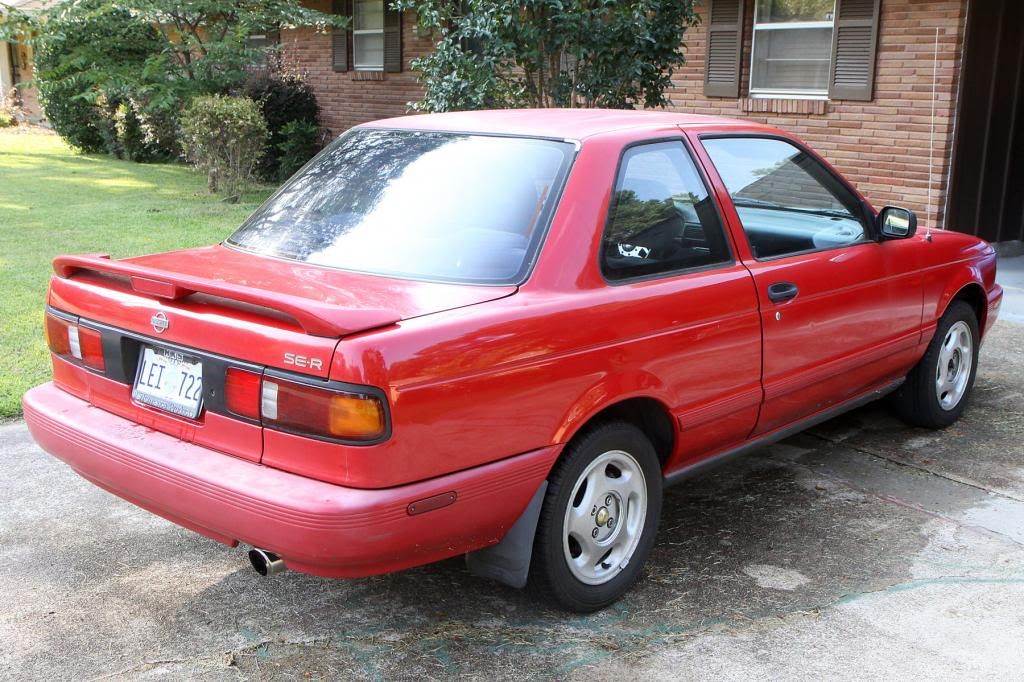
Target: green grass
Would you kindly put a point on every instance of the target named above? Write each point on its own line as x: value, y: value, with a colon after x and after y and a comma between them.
x: 55, y: 201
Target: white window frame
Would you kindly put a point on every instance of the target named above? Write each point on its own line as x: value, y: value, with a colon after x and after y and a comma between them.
x: 364, y: 32
x: 788, y: 93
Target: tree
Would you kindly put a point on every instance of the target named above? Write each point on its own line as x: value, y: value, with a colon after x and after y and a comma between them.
x: 545, y: 53
x: 142, y: 61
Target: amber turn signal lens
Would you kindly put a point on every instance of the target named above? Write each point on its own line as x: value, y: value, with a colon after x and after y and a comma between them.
x: 56, y: 330
x: 360, y: 417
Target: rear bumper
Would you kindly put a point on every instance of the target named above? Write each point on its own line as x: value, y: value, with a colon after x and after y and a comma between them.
x: 316, y: 527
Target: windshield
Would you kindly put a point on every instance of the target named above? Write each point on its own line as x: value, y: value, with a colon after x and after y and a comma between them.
x: 423, y: 205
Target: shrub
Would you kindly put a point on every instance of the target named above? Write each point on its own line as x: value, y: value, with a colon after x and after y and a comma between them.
x: 300, y: 141
x: 284, y: 99
x: 6, y: 119
x: 88, y: 54
x: 74, y: 117
x: 225, y: 137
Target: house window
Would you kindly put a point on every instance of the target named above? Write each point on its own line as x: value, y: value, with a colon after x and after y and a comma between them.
x: 368, y: 35
x: 792, y: 48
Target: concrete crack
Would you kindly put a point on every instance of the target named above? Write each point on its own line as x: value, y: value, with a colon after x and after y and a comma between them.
x: 952, y: 478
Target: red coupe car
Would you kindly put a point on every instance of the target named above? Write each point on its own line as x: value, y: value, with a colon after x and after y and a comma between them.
x: 502, y: 334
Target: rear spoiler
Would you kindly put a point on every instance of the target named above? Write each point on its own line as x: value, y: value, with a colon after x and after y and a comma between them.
x: 315, y: 317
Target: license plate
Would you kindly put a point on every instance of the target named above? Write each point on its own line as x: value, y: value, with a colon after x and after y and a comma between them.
x: 170, y: 381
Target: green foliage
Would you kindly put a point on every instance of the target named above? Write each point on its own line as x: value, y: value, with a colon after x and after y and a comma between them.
x: 631, y: 216
x: 57, y: 201
x: 225, y: 137
x: 153, y: 55
x: 88, y: 56
x: 7, y: 119
x: 546, y: 53
x: 300, y: 141
x: 291, y: 112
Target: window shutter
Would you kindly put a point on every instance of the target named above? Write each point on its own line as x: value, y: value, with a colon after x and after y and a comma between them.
x: 341, y: 39
x: 392, y: 39
x: 854, y: 49
x: 725, y: 41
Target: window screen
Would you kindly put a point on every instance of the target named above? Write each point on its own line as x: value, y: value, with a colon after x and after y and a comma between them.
x: 792, y: 46
x: 662, y: 218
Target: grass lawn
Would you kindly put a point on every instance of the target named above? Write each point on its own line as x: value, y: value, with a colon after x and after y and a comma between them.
x: 55, y: 201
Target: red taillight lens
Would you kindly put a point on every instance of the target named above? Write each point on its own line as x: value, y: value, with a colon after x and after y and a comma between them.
x: 320, y: 411
x: 90, y: 345
x: 68, y: 339
x: 242, y: 392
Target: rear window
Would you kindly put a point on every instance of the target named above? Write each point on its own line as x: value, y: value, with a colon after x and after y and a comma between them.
x: 421, y: 205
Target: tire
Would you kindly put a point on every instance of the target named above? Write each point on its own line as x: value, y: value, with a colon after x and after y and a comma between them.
x: 929, y: 398
x: 608, y: 470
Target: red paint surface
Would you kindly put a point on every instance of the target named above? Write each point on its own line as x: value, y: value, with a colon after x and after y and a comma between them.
x: 475, y: 375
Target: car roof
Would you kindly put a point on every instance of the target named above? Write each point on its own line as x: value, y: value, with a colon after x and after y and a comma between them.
x: 573, y: 124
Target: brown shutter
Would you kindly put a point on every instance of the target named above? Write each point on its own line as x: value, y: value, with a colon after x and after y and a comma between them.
x: 341, y: 39
x: 725, y: 42
x: 392, y: 39
x: 854, y: 48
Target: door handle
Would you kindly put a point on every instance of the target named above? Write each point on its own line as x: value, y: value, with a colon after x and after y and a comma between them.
x: 782, y: 291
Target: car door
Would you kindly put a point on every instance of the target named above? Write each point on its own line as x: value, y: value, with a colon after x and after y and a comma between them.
x: 686, y: 305
x: 840, y: 310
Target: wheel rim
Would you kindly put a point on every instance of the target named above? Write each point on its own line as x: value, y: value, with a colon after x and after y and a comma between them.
x: 605, y: 517
x: 953, y: 371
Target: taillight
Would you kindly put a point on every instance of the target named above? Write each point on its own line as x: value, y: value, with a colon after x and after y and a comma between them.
x: 317, y: 411
x: 242, y: 392
x: 56, y: 329
x: 70, y: 340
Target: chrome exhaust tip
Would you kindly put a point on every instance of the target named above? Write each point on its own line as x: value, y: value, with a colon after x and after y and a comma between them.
x: 266, y: 563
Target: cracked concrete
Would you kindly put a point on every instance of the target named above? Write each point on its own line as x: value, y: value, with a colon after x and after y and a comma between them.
x: 861, y: 550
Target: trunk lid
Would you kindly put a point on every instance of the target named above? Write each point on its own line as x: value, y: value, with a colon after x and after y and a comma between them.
x: 223, y: 310
x: 254, y: 308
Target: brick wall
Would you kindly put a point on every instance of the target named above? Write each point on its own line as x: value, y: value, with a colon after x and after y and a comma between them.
x: 345, y: 98
x: 882, y: 146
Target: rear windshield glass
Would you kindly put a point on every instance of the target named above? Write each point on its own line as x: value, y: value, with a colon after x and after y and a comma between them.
x: 422, y: 205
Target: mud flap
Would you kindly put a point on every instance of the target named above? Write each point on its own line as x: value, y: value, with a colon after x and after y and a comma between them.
x: 508, y: 561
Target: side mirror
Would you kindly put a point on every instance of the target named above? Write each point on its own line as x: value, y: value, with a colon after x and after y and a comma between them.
x: 897, y: 223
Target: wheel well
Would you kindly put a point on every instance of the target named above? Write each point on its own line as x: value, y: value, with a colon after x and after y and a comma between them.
x: 648, y: 415
x: 974, y: 296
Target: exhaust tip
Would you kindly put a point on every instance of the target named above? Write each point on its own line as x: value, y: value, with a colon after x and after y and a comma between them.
x: 266, y: 563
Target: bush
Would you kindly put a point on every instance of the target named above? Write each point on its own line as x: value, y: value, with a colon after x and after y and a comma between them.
x: 6, y: 119
x: 88, y: 55
x: 284, y: 100
x: 225, y: 137
x: 300, y: 141
x: 76, y: 119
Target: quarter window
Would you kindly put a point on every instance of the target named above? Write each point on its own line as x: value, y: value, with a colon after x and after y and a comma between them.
x: 368, y: 35
x: 787, y: 201
x: 662, y: 218
x: 792, y: 47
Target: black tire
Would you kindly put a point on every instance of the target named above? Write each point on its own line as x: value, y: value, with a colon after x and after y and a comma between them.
x: 917, y: 401
x: 550, y: 573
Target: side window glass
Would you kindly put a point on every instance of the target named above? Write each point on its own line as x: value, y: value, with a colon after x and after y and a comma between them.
x: 662, y: 218
x: 787, y: 201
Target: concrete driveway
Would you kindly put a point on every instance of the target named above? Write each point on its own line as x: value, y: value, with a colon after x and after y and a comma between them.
x: 863, y: 549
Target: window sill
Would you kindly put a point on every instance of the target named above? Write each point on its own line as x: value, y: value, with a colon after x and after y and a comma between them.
x: 768, y: 105
x: 367, y: 75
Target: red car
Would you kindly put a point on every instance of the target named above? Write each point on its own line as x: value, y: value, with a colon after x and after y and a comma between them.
x: 502, y: 334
